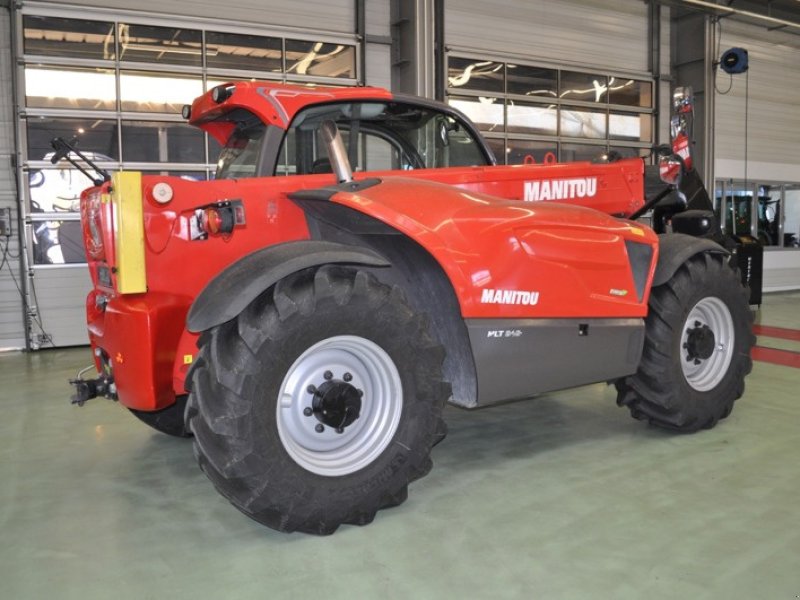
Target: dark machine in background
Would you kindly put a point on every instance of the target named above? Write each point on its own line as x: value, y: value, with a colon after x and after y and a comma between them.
x: 686, y: 207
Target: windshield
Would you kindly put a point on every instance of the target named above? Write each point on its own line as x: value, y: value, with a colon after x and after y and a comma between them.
x: 242, y: 152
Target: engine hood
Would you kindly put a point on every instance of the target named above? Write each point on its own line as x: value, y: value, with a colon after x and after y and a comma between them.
x: 500, y: 254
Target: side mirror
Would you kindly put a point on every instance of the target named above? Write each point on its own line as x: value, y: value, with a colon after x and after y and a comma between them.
x: 670, y: 169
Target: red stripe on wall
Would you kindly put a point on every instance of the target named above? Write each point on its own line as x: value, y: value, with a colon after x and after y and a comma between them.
x: 777, y: 332
x: 774, y: 356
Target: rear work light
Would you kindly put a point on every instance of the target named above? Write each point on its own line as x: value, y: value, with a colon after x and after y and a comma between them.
x: 219, y: 218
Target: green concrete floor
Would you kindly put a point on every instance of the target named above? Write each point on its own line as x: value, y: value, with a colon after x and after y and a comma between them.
x: 565, y: 496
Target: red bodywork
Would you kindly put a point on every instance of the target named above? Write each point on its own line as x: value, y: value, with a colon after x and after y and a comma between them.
x: 474, y: 221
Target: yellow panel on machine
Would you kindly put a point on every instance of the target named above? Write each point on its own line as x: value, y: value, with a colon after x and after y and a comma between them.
x: 129, y: 232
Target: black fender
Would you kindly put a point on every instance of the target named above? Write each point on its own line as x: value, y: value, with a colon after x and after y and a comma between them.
x: 675, y: 249
x: 230, y: 292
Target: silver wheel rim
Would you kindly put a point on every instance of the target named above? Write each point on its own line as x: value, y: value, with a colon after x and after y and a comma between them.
x: 371, y: 371
x: 703, y: 374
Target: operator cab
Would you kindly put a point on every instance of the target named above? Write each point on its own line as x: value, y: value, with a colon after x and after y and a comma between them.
x: 377, y: 135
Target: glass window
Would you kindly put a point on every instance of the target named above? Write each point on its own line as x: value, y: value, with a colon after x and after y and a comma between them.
x: 537, y: 102
x: 628, y: 152
x: 585, y: 87
x: 320, y: 59
x: 244, y: 52
x: 147, y: 141
x: 392, y: 135
x: 528, y: 152
x: 532, y: 81
x: 524, y: 117
x: 582, y: 122
x: 479, y: 75
x: 214, y: 149
x: 157, y: 92
x: 97, y: 138
x: 57, y: 189
x: 146, y: 43
x: 633, y: 127
x: 791, y: 224
x: 769, y: 215
x: 78, y: 38
x: 57, y: 242
x: 241, y: 154
x: 498, y: 148
x: 59, y: 87
x: 577, y: 152
x: 486, y: 113
x: 630, y: 92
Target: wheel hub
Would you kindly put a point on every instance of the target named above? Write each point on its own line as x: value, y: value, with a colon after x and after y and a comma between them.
x: 339, y: 405
x: 336, y: 404
x: 700, y: 343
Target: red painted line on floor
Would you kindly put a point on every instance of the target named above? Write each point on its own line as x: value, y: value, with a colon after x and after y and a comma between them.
x: 777, y: 332
x: 774, y: 356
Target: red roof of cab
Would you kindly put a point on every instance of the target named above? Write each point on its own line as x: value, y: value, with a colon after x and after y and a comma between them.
x: 276, y: 103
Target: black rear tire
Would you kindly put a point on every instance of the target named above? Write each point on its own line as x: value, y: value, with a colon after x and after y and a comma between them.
x: 696, y: 354
x: 168, y: 420
x: 330, y: 328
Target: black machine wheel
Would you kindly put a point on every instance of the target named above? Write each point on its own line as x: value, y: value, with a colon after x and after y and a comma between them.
x: 168, y: 420
x: 696, y: 355
x: 319, y: 403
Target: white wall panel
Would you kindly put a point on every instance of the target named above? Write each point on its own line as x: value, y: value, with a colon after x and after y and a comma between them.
x: 62, y: 301
x: 610, y: 35
x: 329, y: 15
x: 378, y: 17
x: 773, y: 111
x: 12, y: 330
x: 379, y: 67
x: 781, y: 270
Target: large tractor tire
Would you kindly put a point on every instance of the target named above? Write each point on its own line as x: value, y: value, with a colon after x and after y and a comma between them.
x: 319, y: 403
x: 696, y: 354
x: 168, y: 420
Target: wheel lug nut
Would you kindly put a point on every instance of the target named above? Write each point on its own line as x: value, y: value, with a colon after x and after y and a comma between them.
x: 319, y: 428
x: 340, y: 430
x: 307, y: 411
x: 360, y: 393
x: 328, y: 375
x: 311, y: 389
x: 347, y: 377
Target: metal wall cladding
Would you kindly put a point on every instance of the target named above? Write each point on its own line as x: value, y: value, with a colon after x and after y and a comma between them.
x: 773, y: 138
x: 378, y: 17
x: 328, y: 15
x: 12, y: 331
x: 379, y: 67
x: 62, y: 306
x: 607, y: 34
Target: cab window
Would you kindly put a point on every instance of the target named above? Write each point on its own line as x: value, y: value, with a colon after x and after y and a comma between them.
x: 379, y: 136
x: 242, y: 153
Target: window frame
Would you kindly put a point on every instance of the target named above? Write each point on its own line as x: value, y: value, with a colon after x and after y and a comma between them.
x: 113, y: 62
x: 558, y: 137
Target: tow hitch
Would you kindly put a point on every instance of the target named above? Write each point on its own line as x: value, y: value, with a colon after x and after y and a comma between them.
x: 86, y: 389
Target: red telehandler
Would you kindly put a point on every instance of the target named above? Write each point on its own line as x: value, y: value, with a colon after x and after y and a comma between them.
x: 359, y: 261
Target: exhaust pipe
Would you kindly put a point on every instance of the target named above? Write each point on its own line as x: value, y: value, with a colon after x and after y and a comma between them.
x: 336, y: 151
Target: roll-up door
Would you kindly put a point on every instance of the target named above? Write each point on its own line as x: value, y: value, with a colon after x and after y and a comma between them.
x: 608, y: 34
x: 773, y: 118
x: 329, y: 15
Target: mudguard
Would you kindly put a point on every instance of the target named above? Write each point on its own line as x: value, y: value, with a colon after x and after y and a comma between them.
x: 675, y: 249
x: 233, y: 289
